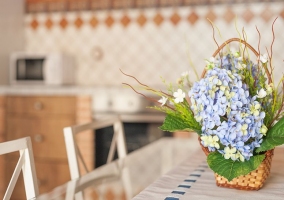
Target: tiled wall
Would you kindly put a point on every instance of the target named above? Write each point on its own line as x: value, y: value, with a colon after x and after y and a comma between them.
x: 150, y: 42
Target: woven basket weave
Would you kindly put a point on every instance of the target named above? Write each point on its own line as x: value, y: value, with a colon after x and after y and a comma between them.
x: 252, y: 181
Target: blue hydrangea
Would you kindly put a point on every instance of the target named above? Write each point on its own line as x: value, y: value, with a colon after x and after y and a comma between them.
x: 222, y: 105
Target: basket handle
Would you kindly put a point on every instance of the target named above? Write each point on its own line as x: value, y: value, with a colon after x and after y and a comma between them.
x: 243, y: 42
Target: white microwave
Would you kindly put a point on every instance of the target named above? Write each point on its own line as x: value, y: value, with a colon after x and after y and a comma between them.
x: 48, y: 69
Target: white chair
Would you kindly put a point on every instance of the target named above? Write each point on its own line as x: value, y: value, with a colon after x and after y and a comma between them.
x: 25, y: 163
x: 73, y: 152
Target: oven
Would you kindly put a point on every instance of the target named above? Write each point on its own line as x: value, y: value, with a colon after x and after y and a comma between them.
x: 141, y: 124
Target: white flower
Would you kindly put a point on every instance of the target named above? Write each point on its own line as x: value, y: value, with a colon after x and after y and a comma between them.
x: 263, y: 129
x: 263, y: 58
x: 179, y: 96
x: 230, y: 153
x: 163, y: 100
x: 211, y: 141
x: 244, y: 129
x: 240, y: 156
x: 261, y: 93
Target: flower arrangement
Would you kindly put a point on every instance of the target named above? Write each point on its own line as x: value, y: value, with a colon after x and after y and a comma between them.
x: 235, y: 108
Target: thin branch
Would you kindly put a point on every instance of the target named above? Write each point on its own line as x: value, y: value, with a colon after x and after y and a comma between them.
x: 133, y: 78
x: 213, y: 34
x: 271, y: 46
x: 259, y: 38
x: 148, y: 98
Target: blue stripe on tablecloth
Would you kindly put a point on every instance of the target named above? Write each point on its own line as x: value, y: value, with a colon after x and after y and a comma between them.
x: 183, y: 187
x: 178, y: 192
x: 171, y: 198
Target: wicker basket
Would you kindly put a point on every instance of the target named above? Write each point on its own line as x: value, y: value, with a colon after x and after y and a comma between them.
x: 252, y: 181
x: 255, y: 179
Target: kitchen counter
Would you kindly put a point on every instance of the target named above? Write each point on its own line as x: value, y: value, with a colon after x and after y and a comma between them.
x: 105, y: 100
x: 57, y: 90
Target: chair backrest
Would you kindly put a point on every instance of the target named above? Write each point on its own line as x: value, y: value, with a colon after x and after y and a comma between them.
x: 73, y: 152
x: 25, y: 163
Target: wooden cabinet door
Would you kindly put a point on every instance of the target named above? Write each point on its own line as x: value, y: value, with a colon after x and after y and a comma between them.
x: 46, y: 134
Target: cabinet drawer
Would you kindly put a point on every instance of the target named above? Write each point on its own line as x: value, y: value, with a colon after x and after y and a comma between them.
x: 46, y: 134
x: 41, y: 104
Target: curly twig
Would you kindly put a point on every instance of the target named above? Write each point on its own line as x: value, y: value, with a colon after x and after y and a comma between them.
x: 148, y: 98
x: 134, y: 79
x: 213, y: 34
x: 259, y: 38
x: 271, y: 46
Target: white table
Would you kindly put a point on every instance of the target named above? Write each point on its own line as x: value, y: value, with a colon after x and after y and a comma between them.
x: 129, y: 176
x: 192, y: 179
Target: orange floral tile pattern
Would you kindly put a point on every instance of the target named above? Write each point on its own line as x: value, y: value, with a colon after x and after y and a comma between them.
x: 135, y: 39
x: 63, y: 23
x: 229, y: 15
x: 34, y: 24
x: 94, y: 22
x: 192, y: 18
x: 248, y: 15
x: 175, y: 18
x: 125, y: 20
x: 141, y: 20
x: 78, y: 22
x: 158, y: 19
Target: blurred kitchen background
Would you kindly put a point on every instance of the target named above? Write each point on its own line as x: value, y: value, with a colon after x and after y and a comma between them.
x: 148, y: 39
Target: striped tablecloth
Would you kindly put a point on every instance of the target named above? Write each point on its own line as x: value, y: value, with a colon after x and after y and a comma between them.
x: 194, y: 180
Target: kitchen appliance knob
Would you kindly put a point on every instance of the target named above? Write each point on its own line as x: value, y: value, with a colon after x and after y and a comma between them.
x: 38, y: 105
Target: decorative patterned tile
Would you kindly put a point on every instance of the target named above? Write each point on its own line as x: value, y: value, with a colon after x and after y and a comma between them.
x: 266, y: 14
x: 78, y: 22
x: 248, y: 15
x: 109, y: 21
x: 141, y: 20
x: 94, y: 21
x: 282, y: 13
x: 48, y: 23
x: 63, y: 22
x: 158, y: 19
x: 34, y: 24
x: 229, y: 15
x: 125, y: 20
x: 160, y: 44
x: 211, y: 15
x: 192, y: 18
x: 175, y: 18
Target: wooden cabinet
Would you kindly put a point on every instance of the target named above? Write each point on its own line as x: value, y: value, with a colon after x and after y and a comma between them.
x: 43, y: 119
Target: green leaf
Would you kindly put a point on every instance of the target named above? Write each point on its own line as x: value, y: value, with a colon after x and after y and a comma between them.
x: 274, y: 137
x: 174, y: 123
x: 231, y: 169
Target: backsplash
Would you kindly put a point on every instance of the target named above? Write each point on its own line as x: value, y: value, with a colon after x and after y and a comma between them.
x: 150, y: 42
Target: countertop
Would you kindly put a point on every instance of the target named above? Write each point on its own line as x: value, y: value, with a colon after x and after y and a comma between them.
x: 106, y: 100
x: 60, y: 90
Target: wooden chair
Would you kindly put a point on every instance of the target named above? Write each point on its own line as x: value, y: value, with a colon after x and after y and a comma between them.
x: 25, y: 163
x: 73, y: 152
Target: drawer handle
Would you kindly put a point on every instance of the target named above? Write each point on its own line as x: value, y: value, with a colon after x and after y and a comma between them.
x: 38, y: 106
x: 38, y: 138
